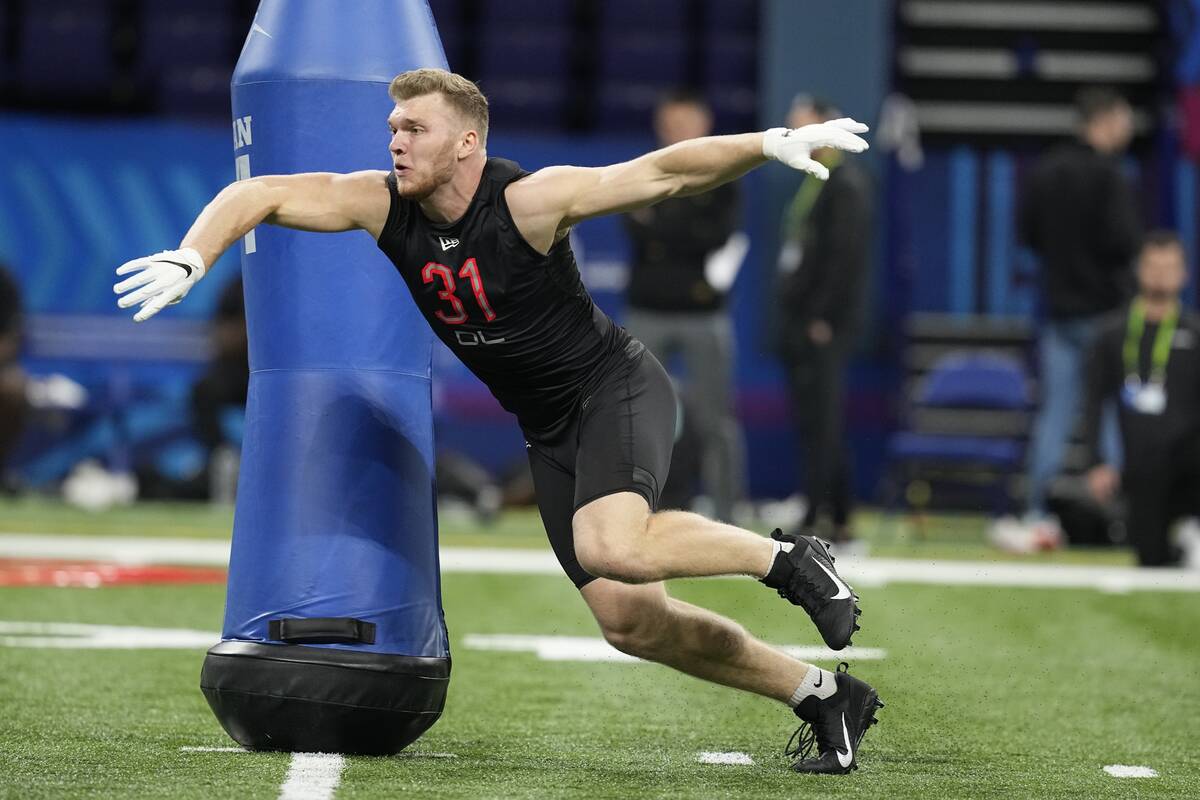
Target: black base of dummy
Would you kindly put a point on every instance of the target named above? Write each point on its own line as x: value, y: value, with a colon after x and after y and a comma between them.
x: 321, y: 700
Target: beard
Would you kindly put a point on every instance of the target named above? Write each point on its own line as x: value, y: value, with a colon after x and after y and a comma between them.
x: 418, y: 187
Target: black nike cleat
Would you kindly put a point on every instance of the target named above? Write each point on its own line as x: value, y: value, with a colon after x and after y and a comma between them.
x: 835, y: 726
x: 805, y: 576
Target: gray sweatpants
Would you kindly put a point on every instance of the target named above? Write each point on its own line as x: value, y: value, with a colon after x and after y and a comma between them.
x: 704, y: 341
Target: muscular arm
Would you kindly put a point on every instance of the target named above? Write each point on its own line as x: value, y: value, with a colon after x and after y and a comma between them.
x: 546, y: 204
x: 316, y: 201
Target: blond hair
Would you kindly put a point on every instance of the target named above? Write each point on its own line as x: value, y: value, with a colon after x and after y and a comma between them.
x: 462, y: 95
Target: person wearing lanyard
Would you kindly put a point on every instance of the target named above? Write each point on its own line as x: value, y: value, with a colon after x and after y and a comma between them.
x: 1148, y: 358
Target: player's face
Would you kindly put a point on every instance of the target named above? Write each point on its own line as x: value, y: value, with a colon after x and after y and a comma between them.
x: 426, y: 133
x: 1121, y: 128
x: 802, y: 115
x: 1161, y: 272
x: 1112, y: 131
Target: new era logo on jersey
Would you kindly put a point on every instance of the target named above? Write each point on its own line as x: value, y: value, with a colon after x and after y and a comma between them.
x: 447, y: 243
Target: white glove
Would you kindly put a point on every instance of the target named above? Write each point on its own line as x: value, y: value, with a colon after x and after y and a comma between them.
x: 160, y: 279
x: 794, y: 146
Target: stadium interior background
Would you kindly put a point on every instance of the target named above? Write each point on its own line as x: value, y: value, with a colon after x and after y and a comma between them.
x: 115, y: 130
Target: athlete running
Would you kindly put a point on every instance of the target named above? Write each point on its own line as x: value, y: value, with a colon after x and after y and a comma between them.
x: 483, y: 247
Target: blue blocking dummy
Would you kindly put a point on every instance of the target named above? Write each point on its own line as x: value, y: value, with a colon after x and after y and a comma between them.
x: 334, y: 638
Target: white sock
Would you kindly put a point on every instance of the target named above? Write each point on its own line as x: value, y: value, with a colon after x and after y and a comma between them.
x: 780, y: 547
x: 817, y: 681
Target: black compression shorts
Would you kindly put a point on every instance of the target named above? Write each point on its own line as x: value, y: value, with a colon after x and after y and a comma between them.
x: 620, y: 441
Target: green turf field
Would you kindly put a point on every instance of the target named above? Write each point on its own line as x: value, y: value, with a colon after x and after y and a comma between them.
x: 991, y: 692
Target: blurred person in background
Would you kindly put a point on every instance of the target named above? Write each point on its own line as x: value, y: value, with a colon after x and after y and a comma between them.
x: 1078, y: 215
x: 215, y: 398
x: 823, y: 268
x: 1147, y: 357
x: 223, y: 387
x: 677, y: 306
x: 13, y: 383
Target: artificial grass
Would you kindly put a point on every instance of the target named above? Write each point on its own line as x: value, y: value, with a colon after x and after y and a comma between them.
x: 991, y: 693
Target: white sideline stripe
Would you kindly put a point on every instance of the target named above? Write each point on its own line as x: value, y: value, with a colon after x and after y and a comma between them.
x: 724, y: 758
x: 312, y: 776
x: 865, y: 571
x: 116, y: 549
x: 1125, y: 771
x: 82, y: 636
x: 587, y: 648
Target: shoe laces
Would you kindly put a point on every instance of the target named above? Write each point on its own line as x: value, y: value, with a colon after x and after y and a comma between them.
x: 800, y: 585
x: 804, y: 739
x: 801, y: 743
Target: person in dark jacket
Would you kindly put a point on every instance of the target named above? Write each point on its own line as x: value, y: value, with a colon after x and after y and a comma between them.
x: 1147, y: 357
x: 1078, y: 215
x: 676, y: 307
x: 823, y: 267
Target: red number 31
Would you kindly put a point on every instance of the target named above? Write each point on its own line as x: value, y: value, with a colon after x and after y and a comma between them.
x: 470, y: 271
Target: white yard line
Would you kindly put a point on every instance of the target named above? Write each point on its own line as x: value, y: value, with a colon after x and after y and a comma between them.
x: 1126, y: 771
x: 860, y: 571
x: 312, y: 776
x: 82, y: 636
x: 116, y: 549
x: 725, y: 758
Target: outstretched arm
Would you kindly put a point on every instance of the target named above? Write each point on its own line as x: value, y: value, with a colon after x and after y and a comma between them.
x: 318, y: 201
x: 546, y: 204
x: 324, y: 202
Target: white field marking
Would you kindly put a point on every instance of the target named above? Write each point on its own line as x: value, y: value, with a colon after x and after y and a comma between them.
x: 724, y: 758
x: 1125, y: 771
x: 806, y: 652
x: 78, y: 636
x: 116, y: 549
x: 312, y: 776
x: 586, y: 648
x: 856, y: 571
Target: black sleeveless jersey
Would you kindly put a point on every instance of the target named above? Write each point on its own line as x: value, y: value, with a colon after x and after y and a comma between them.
x: 521, y: 321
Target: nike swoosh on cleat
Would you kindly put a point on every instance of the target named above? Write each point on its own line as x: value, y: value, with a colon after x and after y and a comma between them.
x: 843, y: 590
x: 848, y: 757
